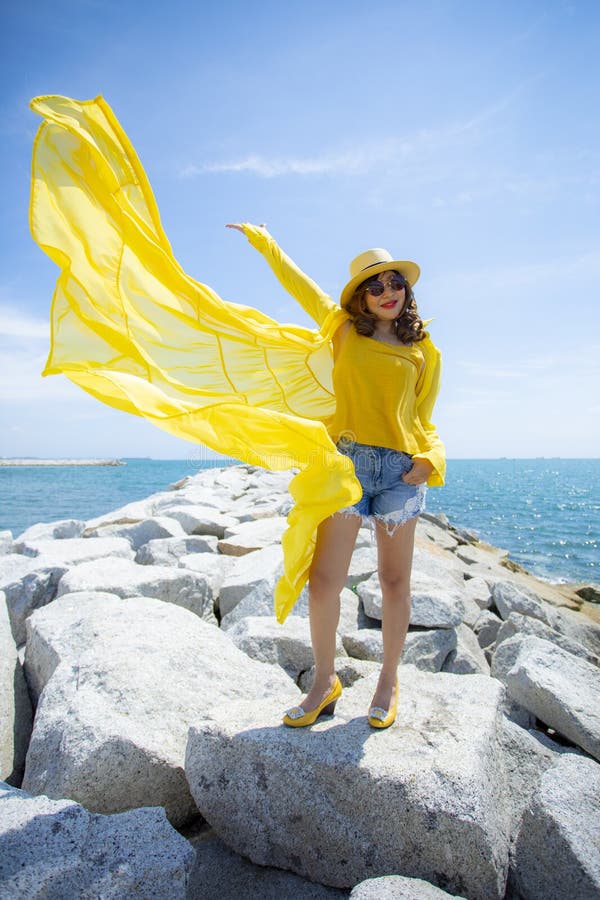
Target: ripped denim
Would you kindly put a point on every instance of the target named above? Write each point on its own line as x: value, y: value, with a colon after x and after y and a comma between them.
x: 386, y: 498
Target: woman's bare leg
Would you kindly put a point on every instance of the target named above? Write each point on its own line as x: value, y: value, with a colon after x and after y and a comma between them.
x: 336, y: 538
x: 395, y: 553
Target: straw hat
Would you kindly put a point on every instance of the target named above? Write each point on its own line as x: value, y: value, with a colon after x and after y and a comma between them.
x: 372, y: 262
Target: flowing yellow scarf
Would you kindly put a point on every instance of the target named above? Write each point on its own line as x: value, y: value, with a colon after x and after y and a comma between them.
x: 132, y: 329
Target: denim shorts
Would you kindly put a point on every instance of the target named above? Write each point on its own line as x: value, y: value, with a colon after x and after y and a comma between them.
x: 386, y: 498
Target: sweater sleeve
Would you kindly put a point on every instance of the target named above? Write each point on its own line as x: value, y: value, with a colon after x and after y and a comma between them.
x: 309, y: 295
x: 428, y: 387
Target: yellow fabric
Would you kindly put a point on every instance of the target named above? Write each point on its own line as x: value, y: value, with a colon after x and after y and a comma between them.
x: 405, y: 381
x: 130, y: 327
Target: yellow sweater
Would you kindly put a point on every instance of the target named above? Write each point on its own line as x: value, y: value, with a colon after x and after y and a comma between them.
x: 384, y: 393
x: 131, y: 328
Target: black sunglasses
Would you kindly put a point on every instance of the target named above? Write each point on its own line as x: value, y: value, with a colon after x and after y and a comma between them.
x: 376, y: 288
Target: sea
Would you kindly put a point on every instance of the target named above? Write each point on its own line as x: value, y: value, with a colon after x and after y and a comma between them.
x: 545, y: 512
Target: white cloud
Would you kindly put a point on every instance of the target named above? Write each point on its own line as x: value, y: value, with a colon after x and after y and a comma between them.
x: 14, y: 323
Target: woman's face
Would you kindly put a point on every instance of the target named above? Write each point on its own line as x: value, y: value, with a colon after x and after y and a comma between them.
x: 389, y: 305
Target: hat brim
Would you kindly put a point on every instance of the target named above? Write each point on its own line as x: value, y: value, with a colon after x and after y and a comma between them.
x: 410, y: 270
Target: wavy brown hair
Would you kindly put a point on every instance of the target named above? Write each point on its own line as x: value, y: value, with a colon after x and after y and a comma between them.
x: 408, y: 326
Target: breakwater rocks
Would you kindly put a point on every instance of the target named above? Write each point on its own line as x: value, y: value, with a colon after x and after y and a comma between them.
x: 62, y: 462
x: 143, y: 678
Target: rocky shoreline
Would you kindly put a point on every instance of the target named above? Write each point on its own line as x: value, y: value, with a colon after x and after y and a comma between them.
x: 142, y: 681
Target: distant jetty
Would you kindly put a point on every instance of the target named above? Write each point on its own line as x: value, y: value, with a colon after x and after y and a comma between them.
x: 62, y: 462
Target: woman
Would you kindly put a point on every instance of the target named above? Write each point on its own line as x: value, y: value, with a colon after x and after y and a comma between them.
x: 135, y: 331
x: 383, y: 359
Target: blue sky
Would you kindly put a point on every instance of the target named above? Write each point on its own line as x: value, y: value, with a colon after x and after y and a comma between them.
x: 462, y: 135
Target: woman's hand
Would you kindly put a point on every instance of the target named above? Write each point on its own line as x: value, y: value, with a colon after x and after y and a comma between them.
x: 419, y: 473
x: 239, y: 227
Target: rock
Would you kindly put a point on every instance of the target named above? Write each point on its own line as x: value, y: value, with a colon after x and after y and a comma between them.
x: 527, y: 754
x: 433, y: 605
x: 260, y: 568
x: 425, y: 649
x: 57, y: 849
x: 465, y: 534
x: 437, y: 534
x: 562, y: 690
x: 486, y: 627
x: 65, y: 528
x: 398, y: 887
x: 71, y: 551
x: 170, y: 551
x: 579, y: 628
x: 128, y: 514
x: 221, y: 874
x: 287, y: 645
x: 127, y: 579
x: 440, y: 519
x: 259, y: 602
x: 202, y: 519
x: 6, y: 542
x: 477, y: 589
x: 122, y: 680
x: 589, y: 592
x: 15, y: 706
x: 467, y: 657
x: 341, y: 802
x: 251, y: 536
x: 351, y: 614
x: 434, y: 564
x: 362, y: 565
x: 428, y: 649
x: 139, y: 533
x: 509, y: 598
x: 213, y: 566
x: 557, y: 846
x: 348, y: 670
x: 28, y: 583
x: 519, y: 624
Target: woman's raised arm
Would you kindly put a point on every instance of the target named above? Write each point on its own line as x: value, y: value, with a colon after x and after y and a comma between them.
x: 307, y: 292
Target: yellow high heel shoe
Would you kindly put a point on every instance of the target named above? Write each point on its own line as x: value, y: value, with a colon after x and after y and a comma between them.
x: 383, y: 718
x: 296, y: 717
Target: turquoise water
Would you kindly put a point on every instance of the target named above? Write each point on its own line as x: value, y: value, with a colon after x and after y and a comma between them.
x: 545, y: 512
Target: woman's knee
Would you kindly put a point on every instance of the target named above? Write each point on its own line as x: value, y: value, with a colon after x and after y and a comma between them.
x: 323, y: 582
x: 396, y: 583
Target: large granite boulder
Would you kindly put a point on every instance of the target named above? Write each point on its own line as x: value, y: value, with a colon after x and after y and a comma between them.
x: 261, y: 569
x: 15, y: 705
x: 71, y: 551
x: 121, y: 681
x: 398, y: 887
x: 169, y: 551
x: 427, y: 648
x: 139, y: 533
x: 221, y: 874
x: 254, y: 535
x: 518, y: 624
x: 434, y: 604
x: 557, y: 852
x: 64, y: 528
x: 27, y: 583
x: 562, y: 690
x: 57, y: 849
x: 126, y: 578
x: 287, y: 645
x: 340, y: 802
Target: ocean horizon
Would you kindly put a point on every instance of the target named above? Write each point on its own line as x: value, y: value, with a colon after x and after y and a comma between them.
x: 544, y: 510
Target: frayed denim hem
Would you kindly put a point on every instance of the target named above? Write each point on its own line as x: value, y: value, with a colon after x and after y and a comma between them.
x: 391, y: 520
